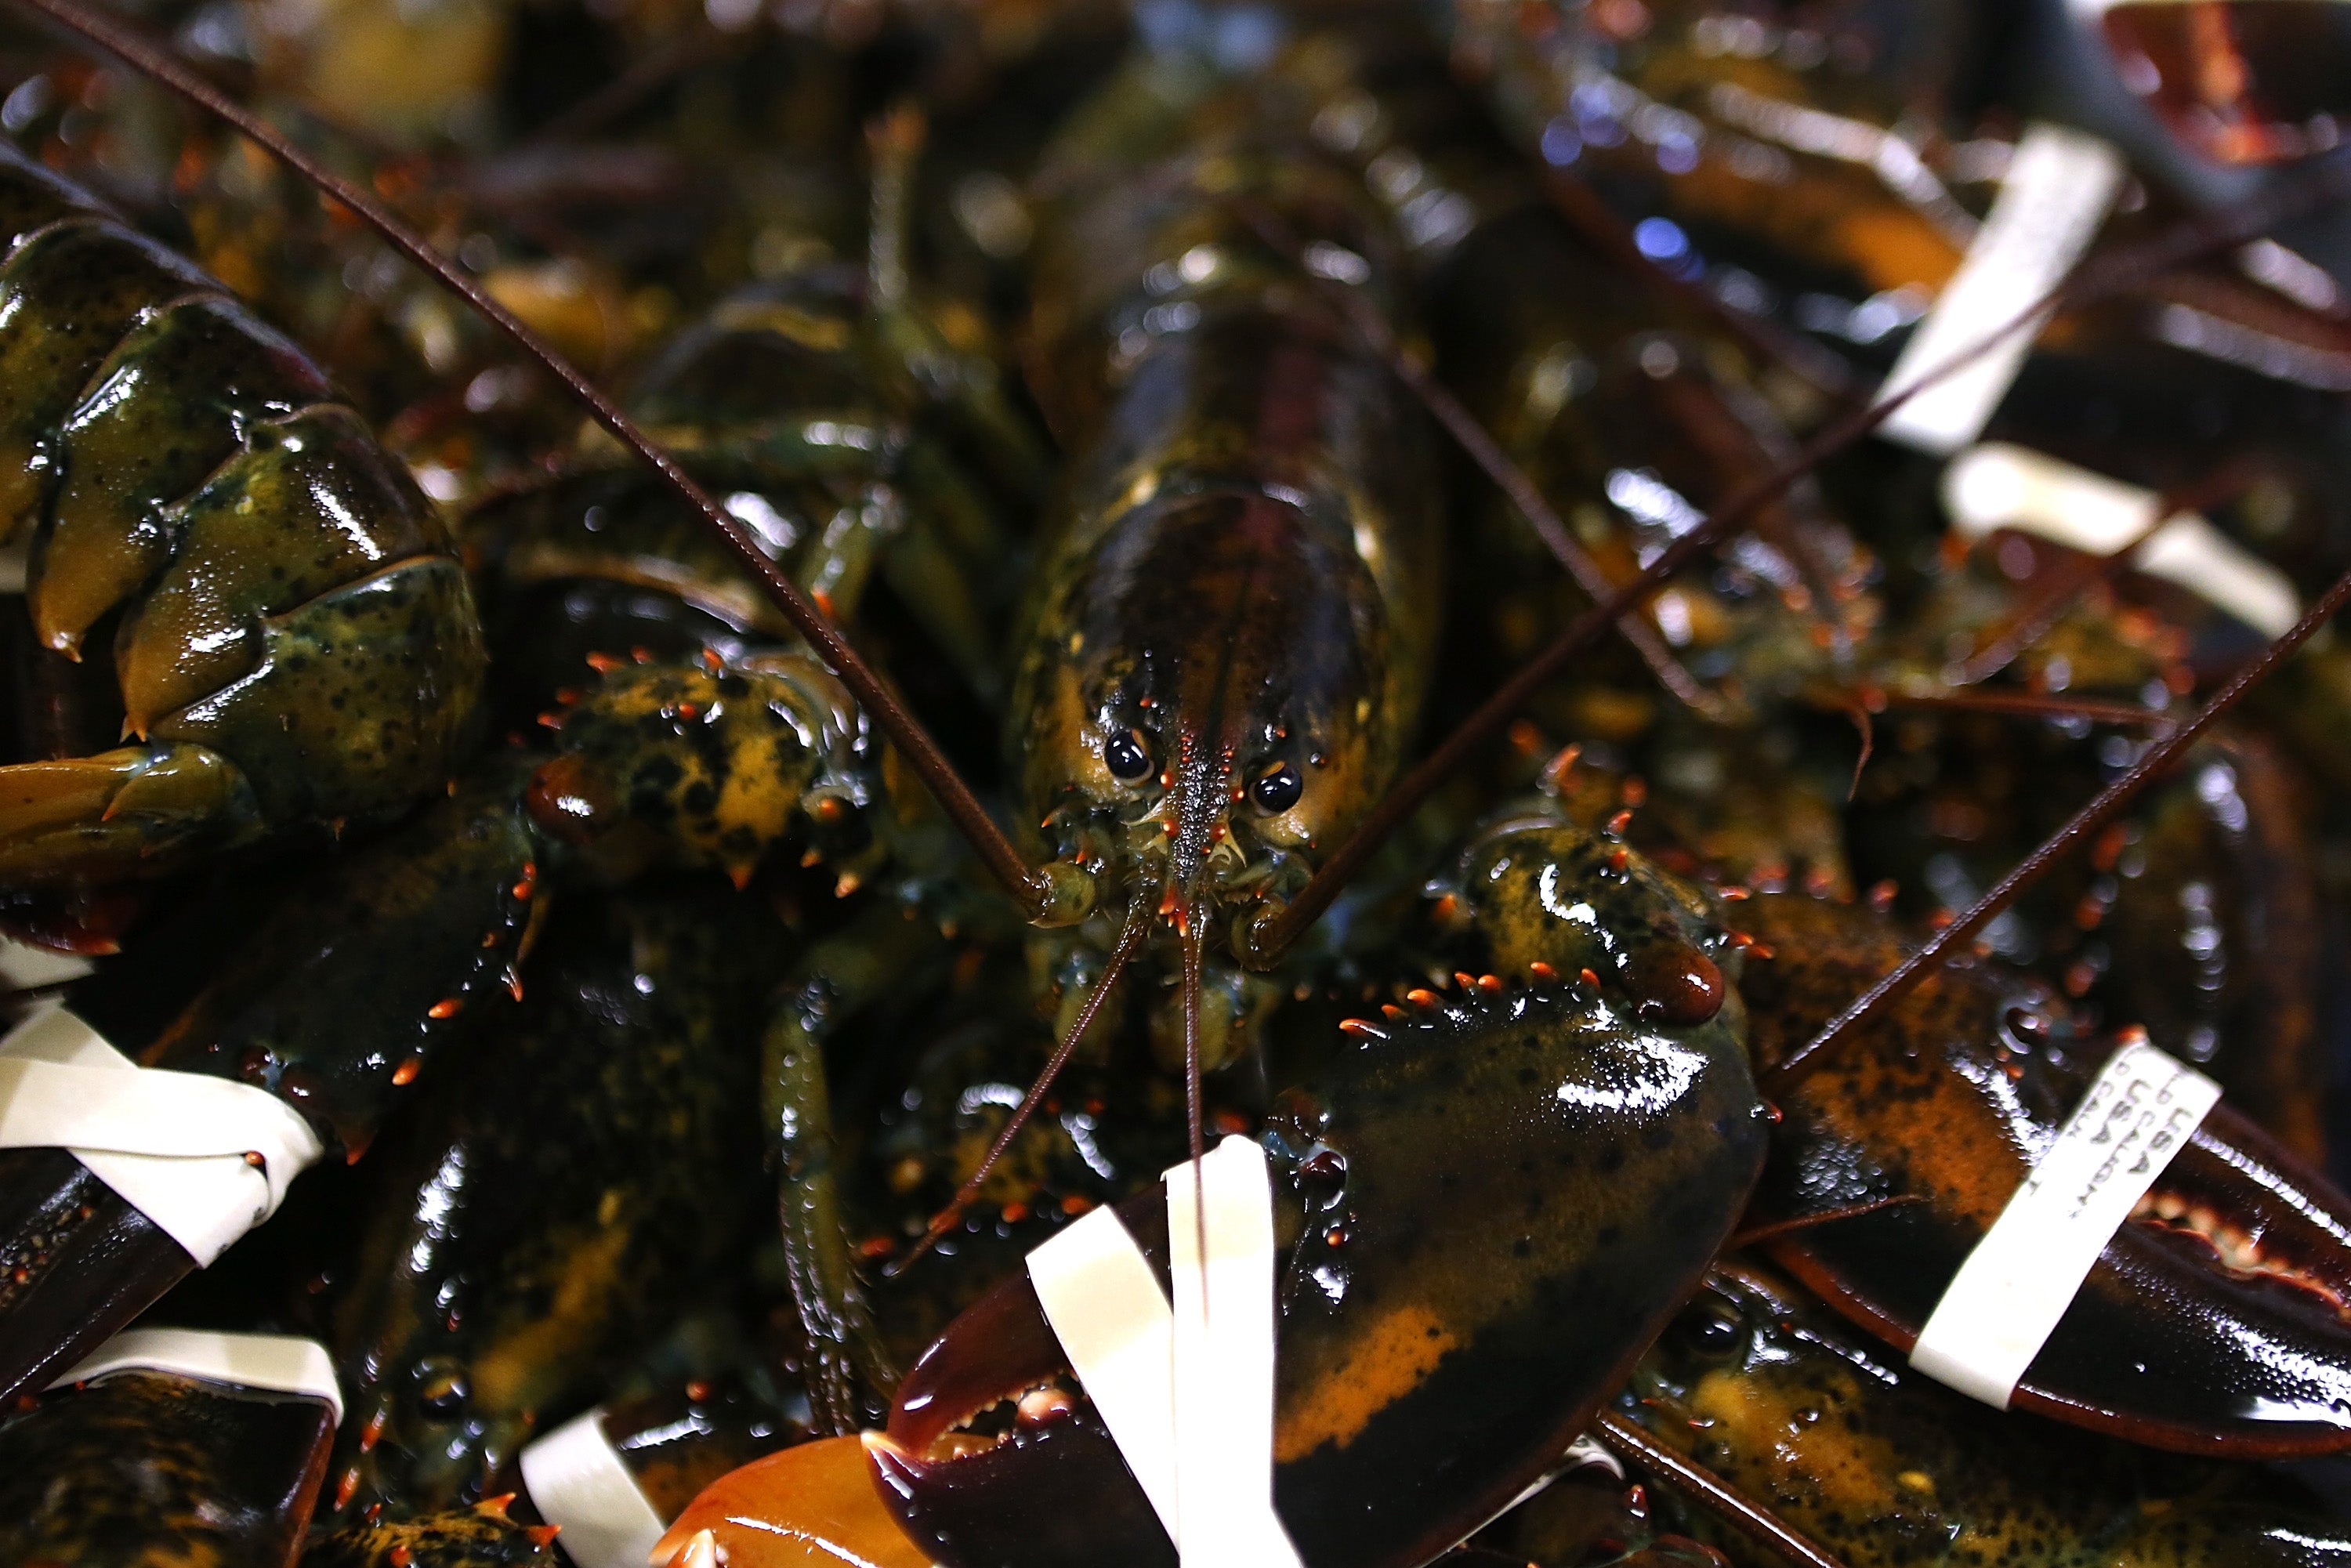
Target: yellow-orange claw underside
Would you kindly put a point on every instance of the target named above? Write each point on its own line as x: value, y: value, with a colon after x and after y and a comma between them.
x: 812, y: 1506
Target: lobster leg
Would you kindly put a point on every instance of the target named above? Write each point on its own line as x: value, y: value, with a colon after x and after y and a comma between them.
x: 882, y: 955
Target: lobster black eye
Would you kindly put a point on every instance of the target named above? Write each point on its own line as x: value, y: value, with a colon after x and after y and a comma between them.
x: 1709, y: 1328
x: 1127, y: 755
x: 1276, y: 788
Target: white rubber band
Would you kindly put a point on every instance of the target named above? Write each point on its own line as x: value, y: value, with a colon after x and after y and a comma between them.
x: 1224, y: 1360
x: 1997, y: 486
x: 174, y: 1144
x: 1105, y: 1306
x: 1188, y: 1399
x: 577, y: 1480
x: 2006, y: 1298
x: 24, y: 966
x: 2055, y: 195
x: 275, y: 1363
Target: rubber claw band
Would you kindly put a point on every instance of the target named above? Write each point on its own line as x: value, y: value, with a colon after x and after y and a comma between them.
x: 206, y: 1158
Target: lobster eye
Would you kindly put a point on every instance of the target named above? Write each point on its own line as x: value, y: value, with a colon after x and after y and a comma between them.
x: 1127, y: 755
x: 1709, y: 1328
x: 1276, y: 788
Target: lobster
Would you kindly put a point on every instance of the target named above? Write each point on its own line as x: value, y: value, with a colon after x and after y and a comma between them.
x: 139, y: 1466
x: 563, y: 1200
x: 1178, y: 855
x: 295, y: 644
x: 2237, y: 1231
x: 1757, y: 1384
x: 1418, y: 1362
x: 707, y: 757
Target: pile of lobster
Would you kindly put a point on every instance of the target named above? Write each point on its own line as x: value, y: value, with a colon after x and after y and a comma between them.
x: 1309, y: 573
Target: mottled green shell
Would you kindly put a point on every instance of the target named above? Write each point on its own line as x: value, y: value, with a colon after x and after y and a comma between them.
x: 456, y: 1538
x: 145, y: 1470
x: 1885, y: 1468
x: 586, y: 1176
x: 290, y: 611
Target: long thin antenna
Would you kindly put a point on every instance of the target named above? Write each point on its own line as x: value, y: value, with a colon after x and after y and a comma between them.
x: 1496, y: 465
x: 2103, y: 809
x: 1511, y: 480
x: 1130, y: 938
x: 930, y: 764
x: 2028, y: 704
x: 1276, y: 926
x: 1709, y: 1490
x: 2051, y: 596
x: 1766, y: 339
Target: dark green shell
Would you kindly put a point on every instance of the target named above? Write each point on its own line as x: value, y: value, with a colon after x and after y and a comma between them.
x: 586, y: 1175
x: 456, y: 1538
x: 1883, y: 1467
x: 145, y: 1470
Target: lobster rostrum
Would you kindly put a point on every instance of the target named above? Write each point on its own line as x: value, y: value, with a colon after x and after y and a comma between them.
x: 293, y: 643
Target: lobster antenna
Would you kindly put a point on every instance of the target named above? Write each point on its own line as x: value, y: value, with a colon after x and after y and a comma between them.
x: 2102, y: 808
x: 930, y: 764
x: 1129, y: 939
x: 1504, y: 474
x: 1275, y: 925
x: 2029, y: 704
x: 1803, y: 1222
x: 2042, y: 611
x: 1604, y: 231
x: 1709, y: 1490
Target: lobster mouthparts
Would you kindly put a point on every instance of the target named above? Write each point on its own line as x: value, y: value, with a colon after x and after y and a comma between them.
x: 1487, y: 1211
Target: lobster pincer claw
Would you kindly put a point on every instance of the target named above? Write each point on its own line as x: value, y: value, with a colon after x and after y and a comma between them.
x: 2215, y: 1320
x: 1486, y: 1211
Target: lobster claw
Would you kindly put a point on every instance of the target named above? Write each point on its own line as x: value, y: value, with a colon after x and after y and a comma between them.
x: 1487, y: 1209
x: 2216, y: 1320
